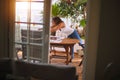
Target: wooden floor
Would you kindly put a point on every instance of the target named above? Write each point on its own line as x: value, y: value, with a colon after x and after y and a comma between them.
x: 75, y: 62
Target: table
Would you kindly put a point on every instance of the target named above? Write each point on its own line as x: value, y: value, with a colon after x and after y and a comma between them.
x: 67, y: 43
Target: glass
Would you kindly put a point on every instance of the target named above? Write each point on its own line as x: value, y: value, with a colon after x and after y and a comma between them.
x: 18, y: 28
x: 37, y: 12
x: 34, y: 51
x: 18, y: 51
x: 21, y: 11
x: 36, y: 27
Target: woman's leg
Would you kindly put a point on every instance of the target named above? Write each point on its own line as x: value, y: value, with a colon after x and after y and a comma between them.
x: 75, y: 35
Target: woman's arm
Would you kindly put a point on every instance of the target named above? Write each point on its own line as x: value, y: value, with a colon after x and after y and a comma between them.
x: 57, y: 27
x: 53, y: 28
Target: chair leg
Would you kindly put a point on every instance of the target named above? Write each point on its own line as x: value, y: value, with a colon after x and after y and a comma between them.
x: 80, y: 63
x: 52, y: 50
x: 81, y: 60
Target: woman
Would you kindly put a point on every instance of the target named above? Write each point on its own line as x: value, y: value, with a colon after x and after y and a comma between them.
x: 58, y: 24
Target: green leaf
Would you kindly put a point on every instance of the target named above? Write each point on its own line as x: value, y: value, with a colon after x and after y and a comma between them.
x: 55, y: 10
x: 83, y: 22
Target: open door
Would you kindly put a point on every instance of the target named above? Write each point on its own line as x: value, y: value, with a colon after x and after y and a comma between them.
x: 32, y: 30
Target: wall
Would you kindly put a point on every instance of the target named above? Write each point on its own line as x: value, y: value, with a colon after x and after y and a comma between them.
x: 108, y: 40
x: 6, y: 22
x: 3, y: 29
x: 91, y: 43
x: 102, y: 43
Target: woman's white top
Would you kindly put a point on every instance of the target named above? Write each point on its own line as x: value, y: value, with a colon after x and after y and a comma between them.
x: 67, y: 30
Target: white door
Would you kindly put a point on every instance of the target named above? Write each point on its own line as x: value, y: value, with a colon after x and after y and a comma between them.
x: 32, y: 23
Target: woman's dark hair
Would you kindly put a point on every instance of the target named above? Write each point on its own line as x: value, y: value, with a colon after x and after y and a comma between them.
x: 57, y: 20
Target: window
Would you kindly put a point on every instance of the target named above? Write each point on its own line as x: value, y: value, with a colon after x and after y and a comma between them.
x: 32, y: 30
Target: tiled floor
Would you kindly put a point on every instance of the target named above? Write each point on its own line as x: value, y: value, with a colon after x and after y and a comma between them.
x: 75, y: 62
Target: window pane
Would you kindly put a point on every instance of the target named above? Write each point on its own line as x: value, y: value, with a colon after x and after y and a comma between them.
x: 37, y: 12
x: 21, y: 32
x: 35, y: 37
x: 21, y: 11
x: 36, y: 27
x: 18, y: 51
x: 35, y: 52
x: 36, y: 34
x: 18, y: 28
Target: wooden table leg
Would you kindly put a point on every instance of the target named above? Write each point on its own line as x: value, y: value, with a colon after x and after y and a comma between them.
x: 71, y: 47
x: 67, y: 53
